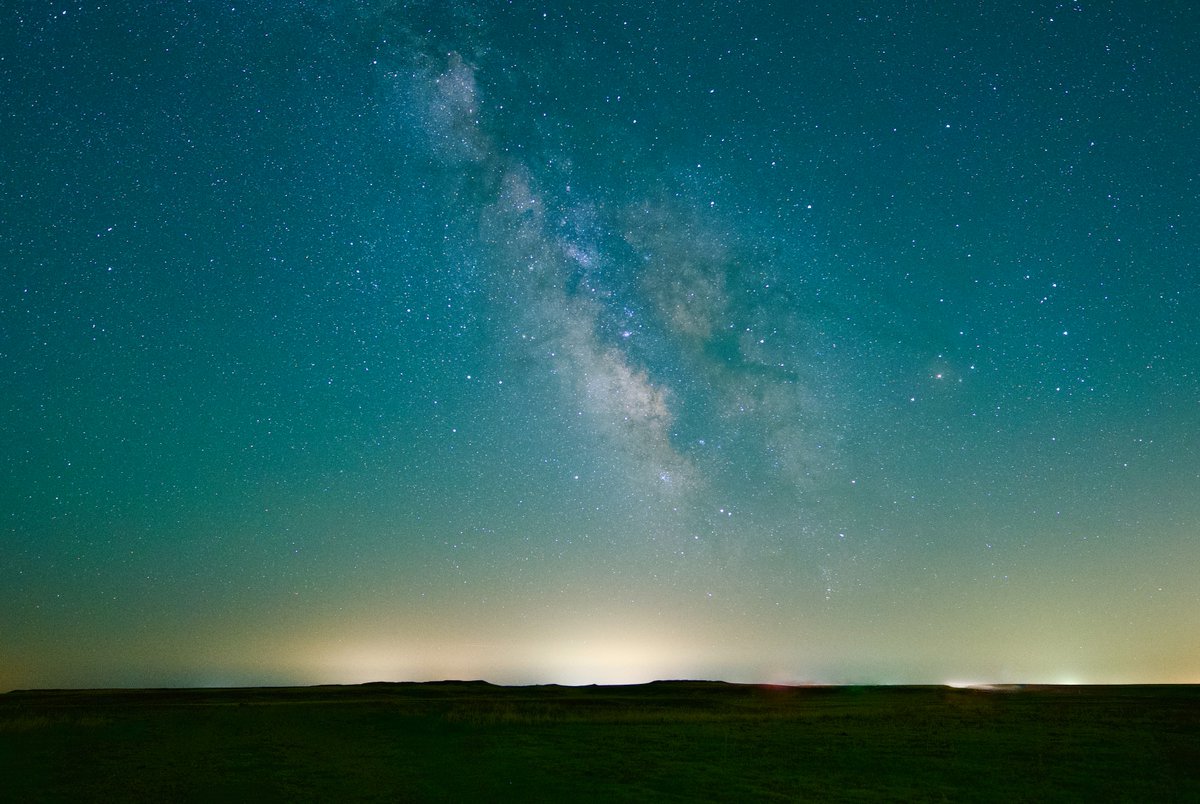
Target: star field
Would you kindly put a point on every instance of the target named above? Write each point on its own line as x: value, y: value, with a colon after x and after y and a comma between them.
x: 349, y: 342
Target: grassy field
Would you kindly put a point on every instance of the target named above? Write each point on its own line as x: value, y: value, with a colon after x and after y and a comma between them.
x: 667, y: 741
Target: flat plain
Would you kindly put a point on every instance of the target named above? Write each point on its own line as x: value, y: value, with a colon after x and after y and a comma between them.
x: 665, y: 741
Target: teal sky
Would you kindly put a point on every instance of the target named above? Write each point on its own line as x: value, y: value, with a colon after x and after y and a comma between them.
x: 599, y: 342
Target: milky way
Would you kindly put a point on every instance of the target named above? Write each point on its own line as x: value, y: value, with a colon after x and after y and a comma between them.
x: 357, y: 342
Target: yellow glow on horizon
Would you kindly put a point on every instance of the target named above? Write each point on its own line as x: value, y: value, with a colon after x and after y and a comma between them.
x: 603, y: 659
x: 611, y: 660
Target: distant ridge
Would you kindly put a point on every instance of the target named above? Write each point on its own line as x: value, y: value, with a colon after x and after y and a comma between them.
x: 659, y: 685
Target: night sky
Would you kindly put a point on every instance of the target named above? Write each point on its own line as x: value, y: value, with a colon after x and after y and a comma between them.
x: 599, y: 342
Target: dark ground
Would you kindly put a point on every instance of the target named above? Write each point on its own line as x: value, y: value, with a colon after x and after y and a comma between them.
x: 667, y: 741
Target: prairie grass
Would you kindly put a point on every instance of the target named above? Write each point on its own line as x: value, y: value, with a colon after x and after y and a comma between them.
x: 678, y: 741
x: 21, y: 723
